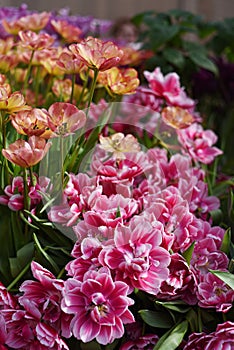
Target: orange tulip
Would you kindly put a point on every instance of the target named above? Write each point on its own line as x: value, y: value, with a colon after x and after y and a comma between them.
x: 12, y: 27
x: 7, y: 62
x: 35, y: 21
x: 68, y: 32
x: 6, y: 45
x: 63, y: 88
x: 12, y: 102
x: 27, y: 154
x: 97, y: 54
x: 120, y: 81
x: 134, y: 57
x: 177, y: 117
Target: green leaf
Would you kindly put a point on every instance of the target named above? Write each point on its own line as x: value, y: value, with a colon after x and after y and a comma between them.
x: 172, y: 339
x: 140, y: 17
x: 177, y: 305
x: 7, y: 247
x: 226, y: 277
x: 161, y: 34
x: 156, y: 318
x: 174, y: 56
x: 23, y: 257
x: 187, y: 254
x: 44, y: 253
x: 201, y: 60
x: 225, y: 246
x: 217, y: 216
x: 192, y: 318
x: 91, y: 346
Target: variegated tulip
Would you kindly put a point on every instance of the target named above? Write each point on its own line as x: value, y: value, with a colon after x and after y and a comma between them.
x: 97, y: 54
x: 65, y: 118
x: 33, y: 122
x: 33, y: 41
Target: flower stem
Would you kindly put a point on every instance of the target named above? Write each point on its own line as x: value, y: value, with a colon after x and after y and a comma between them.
x: 73, y: 86
x: 28, y: 72
x: 61, y: 160
x: 26, y: 198
x: 5, y: 161
x: 93, y: 87
x: 32, y: 177
x: 83, y: 89
x: 37, y: 85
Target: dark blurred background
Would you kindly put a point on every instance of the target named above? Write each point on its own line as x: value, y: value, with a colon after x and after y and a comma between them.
x: 106, y: 9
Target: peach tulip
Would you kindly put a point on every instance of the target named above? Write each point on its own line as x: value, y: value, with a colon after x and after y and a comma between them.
x: 26, y: 154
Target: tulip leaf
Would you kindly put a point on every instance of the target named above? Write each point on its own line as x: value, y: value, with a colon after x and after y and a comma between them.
x: 226, y: 277
x: 187, y: 254
x: 225, y: 247
x: 44, y: 253
x: 177, y: 305
x: 156, y: 318
x: 172, y: 339
x: 23, y: 257
x: 217, y: 216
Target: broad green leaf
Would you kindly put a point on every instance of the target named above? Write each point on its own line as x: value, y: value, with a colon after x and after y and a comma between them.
x: 7, y: 245
x: 191, y: 46
x: 157, y: 319
x: 192, y: 318
x: 140, y: 17
x: 172, y: 339
x: 226, y: 277
x: 177, y: 305
x: 174, y: 56
x: 200, y: 59
x: 187, y: 254
x: 23, y: 257
x: 162, y: 34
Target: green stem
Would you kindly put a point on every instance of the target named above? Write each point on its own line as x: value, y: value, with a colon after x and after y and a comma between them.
x: 83, y: 89
x: 3, y: 128
x: 61, y: 273
x: 37, y: 85
x: 61, y: 160
x: 32, y: 177
x: 73, y: 86
x: 4, y: 144
x: 94, y: 82
x: 26, y: 198
x: 28, y: 72
x: 49, y: 84
x: 18, y: 277
x: 199, y: 320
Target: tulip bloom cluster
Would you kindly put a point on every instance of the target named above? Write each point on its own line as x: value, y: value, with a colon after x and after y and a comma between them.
x: 108, y: 199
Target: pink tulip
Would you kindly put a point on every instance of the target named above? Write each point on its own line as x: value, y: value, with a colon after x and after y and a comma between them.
x: 26, y: 154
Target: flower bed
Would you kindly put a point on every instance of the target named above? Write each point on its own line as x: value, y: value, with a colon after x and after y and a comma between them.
x: 110, y: 199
